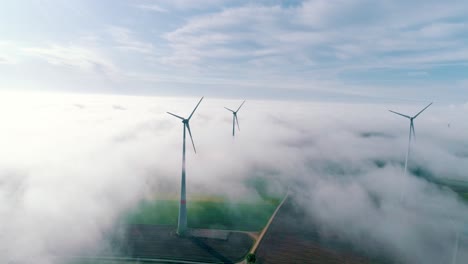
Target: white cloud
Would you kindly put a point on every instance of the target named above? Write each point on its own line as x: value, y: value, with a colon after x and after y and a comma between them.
x: 58, y: 148
x: 126, y: 40
x: 152, y: 7
x: 80, y: 57
x: 9, y: 52
x: 418, y: 73
x: 322, y: 13
x: 443, y: 30
x: 323, y: 33
x: 192, y: 5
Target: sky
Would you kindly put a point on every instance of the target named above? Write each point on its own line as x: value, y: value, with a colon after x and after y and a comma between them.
x: 270, y: 49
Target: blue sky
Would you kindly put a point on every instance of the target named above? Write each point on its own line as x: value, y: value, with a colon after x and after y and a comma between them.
x: 315, y: 49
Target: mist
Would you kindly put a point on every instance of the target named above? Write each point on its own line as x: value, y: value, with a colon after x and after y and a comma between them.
x: 70, y: 165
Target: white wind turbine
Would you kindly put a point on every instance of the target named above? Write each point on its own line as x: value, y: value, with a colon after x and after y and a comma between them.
x: 411, y: 132
x: 234, y: 119
x: 182, y: 221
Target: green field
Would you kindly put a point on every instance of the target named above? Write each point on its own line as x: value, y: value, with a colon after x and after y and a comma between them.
x: 216, y: 214
x: 211, y: 212
x: 214, y: 211
x: 464, y: 196
x: 458, y: 186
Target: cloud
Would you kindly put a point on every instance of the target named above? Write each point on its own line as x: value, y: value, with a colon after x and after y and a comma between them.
x: 152, y: 7
x: 333, y: 37
x: 343, y: 161
x: 441, y: 30
x: 9, y: 52
x: 418, y: 73
x: 190, y: 5
x: 80, y: 57
x: 126, y: 40
x: 221, y: 35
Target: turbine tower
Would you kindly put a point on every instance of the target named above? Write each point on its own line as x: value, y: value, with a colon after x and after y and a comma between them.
x: 182, y: 221
x: 411, y: 132
x: 455, y: 248
x: 234, y: 119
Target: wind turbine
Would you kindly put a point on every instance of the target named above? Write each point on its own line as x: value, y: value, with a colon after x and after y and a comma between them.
x: 234, y: 119
x: 411, y: 132
x: 182, y: 221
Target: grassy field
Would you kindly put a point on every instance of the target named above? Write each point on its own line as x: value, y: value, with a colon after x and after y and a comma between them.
x: 211, y: 212
x: 458, y: 186
x: 218, y: 214
x: 464, y: 196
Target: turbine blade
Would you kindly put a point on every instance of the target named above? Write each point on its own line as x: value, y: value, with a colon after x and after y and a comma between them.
x: 237, y: 121
x: 229, y: 109
x: 422, y: 110
x: 412, y: 129
x: 175, y: 115
x: 400, y: 114
x: 240, y: 106
x: 191, y: 138
x: 195, y: 108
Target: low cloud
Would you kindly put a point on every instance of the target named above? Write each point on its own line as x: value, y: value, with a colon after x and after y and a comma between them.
x: 67, y: 174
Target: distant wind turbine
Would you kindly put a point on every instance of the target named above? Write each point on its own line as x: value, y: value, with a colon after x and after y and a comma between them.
x: 234, y: 119
x: 182, y: 222
x: 411, y: 132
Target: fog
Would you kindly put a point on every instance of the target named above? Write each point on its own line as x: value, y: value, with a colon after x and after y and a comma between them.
x: 70, y: 165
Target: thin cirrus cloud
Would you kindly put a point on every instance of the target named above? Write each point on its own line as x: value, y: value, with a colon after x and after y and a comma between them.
x: 152, y: 7
x: 329, y: 25
x: 70, y: 56
x: 126, y: 40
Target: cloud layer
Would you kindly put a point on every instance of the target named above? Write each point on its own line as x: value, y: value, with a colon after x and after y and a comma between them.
x: 70, y: 165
